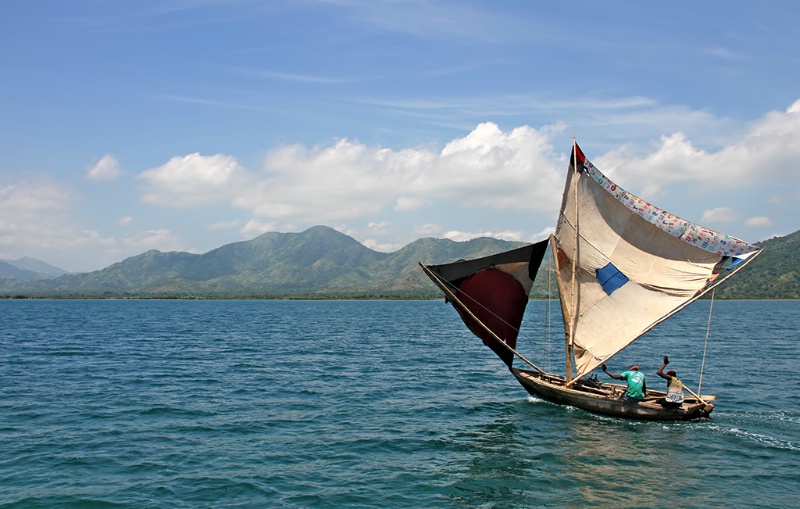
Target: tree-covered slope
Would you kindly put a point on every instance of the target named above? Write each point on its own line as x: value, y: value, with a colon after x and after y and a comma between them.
x: 322, y: 262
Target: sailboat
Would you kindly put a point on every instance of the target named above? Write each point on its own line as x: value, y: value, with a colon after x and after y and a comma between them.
x: 622, y: 267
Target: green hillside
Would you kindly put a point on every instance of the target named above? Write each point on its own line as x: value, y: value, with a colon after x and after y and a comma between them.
x: 775, y: 274
x: 318, y: 263
x: 324, y: 263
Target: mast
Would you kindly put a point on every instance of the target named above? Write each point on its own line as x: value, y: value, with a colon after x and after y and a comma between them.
x: 574, y: 177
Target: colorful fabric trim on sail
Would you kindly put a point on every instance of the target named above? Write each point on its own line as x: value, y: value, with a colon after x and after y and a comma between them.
x: 714, y: 242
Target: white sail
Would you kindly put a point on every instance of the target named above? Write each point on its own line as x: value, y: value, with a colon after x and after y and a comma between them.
x: 636, y: 264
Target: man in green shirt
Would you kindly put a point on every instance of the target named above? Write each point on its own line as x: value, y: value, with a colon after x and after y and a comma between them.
x: 637, y: 388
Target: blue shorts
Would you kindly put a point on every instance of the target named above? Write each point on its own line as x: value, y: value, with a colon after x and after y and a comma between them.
x: 629, y: 399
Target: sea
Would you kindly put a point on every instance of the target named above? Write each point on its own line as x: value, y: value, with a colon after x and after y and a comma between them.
x: 376, y: 404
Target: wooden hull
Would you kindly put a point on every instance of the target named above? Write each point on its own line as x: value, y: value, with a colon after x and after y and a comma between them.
x: 604, y: 398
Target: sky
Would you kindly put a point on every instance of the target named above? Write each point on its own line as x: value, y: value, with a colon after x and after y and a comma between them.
x: 185, y: 125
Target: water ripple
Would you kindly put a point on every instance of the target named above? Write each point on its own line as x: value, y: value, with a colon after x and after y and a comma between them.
x: 363, y: 404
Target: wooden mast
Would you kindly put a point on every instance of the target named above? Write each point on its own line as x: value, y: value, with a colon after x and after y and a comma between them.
x: 574, y: 318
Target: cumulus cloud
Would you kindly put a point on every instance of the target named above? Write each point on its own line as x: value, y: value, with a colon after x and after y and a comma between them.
x: 502, y: 234
x: 427, y: 230
x: 767, y: 150
x: 760, y: 222
x: 490, y: 168
x: 254, y: 228
x: 404, y: 204
x: 107, y: 168
x: 340, y: 182
x: 384, y: 195
x: 490, y: 182
x: 34, y: 213
x: 384, y: 247
x: 349, y: 180
x: 36, y: 219
x: 379, y: 227
x: 719, y: 215
x: 161, y: 239
x: 194, y: 180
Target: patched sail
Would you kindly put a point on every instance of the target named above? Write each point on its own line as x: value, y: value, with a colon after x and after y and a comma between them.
x: 637, y: 264
x: 491, y: 293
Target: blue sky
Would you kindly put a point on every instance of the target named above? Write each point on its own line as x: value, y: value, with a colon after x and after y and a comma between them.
x: 184, y: 125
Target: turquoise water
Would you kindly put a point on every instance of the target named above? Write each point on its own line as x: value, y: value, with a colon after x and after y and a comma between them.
x: 373, y: 404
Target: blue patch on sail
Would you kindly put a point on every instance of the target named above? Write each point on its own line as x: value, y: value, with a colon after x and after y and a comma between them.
x: 610, y: 278
x: 736, y: 261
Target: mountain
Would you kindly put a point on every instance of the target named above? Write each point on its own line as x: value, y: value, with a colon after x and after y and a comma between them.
x: 324, y: 263
x: 319, y: 262
x: 28, y: 269
x: 774, y: 275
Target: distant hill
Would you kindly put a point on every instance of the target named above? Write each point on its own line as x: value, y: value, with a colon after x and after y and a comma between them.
x: 775, y: 274
x: 324, y: 263
x: 317, y: 263
x: 28, y: 269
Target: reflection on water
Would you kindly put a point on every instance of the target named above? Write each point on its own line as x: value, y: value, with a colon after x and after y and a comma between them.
x: 612, y: 460
x: 537, y: 454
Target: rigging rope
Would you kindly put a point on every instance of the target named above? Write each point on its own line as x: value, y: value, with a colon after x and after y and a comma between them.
x: 472, y: 299
x: 548, y: 321
x: 705, y: 346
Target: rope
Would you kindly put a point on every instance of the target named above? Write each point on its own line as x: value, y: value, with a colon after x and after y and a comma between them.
x: 705, y: 346
x: 452, y: 288
x: 548, y: 319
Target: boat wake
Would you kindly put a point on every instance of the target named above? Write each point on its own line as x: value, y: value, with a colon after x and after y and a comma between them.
x: 764, y: 439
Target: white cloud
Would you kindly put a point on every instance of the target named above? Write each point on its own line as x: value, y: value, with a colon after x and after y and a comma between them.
x: 719, y: 215
x: 404, y: 204
x: 107, y: 168
x: 194, y: 180
x: 36, y: 220
x: 760, y: 222
x: 490, y: 182
x: 490, y: 168
x: 487, y: 169
x: 427, y: 230
x: 349, y: 180
x: 766, y: 151
x: 383, y: 247
x: 34, y: 215
x: 379, y: 227
x: 503, y: 235
x: 254, y: 228
x: 161, y: 239
x: 339, y: 182
x: 545, y: 233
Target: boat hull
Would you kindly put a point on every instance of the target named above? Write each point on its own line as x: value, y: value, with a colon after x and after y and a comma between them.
x: 604, y: 398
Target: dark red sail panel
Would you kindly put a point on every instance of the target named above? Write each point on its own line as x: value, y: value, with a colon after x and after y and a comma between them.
x: 498, y: 301
x: 494, y: 289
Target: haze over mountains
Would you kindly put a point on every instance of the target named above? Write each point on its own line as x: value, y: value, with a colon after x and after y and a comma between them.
x: 324, y: 263
x: 28, y: 269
